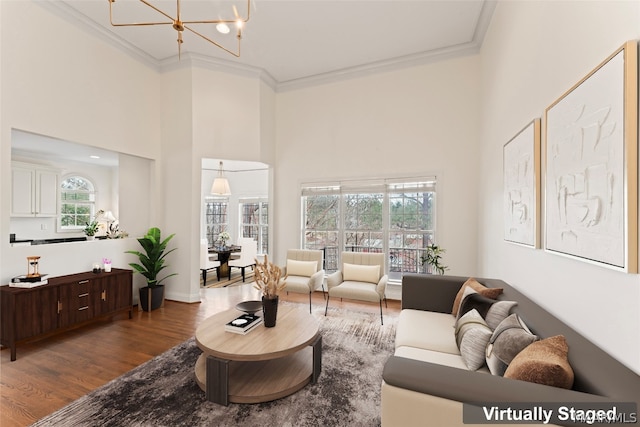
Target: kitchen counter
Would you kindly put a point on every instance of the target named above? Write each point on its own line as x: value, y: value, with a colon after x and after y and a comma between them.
x: 26, y: 242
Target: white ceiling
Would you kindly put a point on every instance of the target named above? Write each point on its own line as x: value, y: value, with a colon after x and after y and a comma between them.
x: 289, y: 43
x: 29, y: 145
x: 295, y: 42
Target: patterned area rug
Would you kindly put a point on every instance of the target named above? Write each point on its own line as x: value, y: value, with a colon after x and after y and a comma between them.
x: 236, y: 279
x: 163, y: 391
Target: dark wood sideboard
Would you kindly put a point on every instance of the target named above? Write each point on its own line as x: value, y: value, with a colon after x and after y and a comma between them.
x: 63, y: 303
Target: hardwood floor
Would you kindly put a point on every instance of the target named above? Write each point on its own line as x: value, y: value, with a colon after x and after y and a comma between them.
x: 53, y: 372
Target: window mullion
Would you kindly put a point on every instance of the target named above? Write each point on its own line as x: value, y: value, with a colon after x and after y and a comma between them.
x: 386, y: 216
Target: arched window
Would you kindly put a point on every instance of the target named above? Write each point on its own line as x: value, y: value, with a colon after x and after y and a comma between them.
x: 77, y: 204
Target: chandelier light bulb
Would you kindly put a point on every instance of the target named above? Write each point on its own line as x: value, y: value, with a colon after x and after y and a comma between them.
x: 223, y: 28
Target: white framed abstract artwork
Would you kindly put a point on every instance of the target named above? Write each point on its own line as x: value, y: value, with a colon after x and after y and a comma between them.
x: 521, y: 177
x: 591, y: 138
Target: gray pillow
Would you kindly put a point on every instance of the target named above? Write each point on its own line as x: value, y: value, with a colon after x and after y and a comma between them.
x: 492, y: 311
x: 509, y: 338
x: 472, y: 336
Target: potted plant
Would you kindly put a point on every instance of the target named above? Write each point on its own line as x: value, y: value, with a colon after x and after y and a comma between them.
x: 152, y: 262
x: 431, y: 259
x: 92, y: 227
x: 267, y: 277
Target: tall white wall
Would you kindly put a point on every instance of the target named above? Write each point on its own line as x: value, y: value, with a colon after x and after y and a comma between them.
x: 534, y: 52
x: 59, y: 81
x: 413, y: 122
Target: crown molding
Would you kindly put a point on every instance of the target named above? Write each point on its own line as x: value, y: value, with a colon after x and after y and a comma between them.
x: 71, y: 15
x: 380, y: 67
x: 423, y: 58
x: 190, y: 59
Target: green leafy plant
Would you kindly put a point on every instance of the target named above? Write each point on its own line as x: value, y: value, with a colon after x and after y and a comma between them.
x: 92, y: 227
x: 432, y: 257
x: 152, y: 261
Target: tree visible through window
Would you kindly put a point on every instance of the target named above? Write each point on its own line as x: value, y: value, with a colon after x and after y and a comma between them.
x: 254, y: 222
x: 77, y: 206
x: 395, y: 217
x: 216, y: 218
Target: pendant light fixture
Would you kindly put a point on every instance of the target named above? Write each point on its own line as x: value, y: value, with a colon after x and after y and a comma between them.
x: 220, y: 185
x: 180, y: 26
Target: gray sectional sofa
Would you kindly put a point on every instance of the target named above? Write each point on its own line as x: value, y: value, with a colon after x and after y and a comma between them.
x: 426, y: 381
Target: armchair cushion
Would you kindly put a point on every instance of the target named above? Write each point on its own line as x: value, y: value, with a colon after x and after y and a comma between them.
x: 350, y: 289
x: 361, y: 273
x: 301, y: 268
x: 303, y: 284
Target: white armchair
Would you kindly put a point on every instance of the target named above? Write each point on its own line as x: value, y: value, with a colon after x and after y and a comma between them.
x: 361, y: 277
x: 304, y: 272
x: 205, y: 262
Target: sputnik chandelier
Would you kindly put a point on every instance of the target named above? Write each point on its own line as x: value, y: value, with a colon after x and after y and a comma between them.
x: 180, y: 26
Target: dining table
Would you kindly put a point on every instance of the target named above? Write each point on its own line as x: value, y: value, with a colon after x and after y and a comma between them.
x: 224, y: 253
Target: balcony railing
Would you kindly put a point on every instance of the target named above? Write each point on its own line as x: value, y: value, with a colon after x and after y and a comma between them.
x: 401, y: 260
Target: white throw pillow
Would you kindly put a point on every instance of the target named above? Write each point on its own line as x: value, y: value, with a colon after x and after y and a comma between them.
x: 301, y: 268
x: 361, y: 273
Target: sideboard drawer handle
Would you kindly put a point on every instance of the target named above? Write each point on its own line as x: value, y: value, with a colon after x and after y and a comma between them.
x: 83, y: 308
x: 83, y: 295
x: 82, y: 282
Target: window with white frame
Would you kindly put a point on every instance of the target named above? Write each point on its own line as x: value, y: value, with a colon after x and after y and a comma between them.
x: 254, y: 222
x: 77, y: 203
x: 216, y: 218
x: 396, y: 217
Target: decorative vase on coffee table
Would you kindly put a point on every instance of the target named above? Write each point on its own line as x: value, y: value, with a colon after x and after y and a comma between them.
x: 270, y: 311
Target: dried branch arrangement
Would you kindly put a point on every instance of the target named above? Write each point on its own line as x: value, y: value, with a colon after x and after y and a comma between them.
x: 267, y: 277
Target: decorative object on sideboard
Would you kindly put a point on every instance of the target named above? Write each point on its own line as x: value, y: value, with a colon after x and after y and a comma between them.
x: 106, y: 265
x: 267, y: 276
x: 32, y: 266
x: 152, y: 262
x: 431, y: 259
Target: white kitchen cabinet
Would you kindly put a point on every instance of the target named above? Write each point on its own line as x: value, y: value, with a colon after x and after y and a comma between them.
x: 34, y: 190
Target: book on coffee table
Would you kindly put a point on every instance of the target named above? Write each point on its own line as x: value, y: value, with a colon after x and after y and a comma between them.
x: 243, y: 324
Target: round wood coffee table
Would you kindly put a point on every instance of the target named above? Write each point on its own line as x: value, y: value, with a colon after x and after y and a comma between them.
x: 263, y: 365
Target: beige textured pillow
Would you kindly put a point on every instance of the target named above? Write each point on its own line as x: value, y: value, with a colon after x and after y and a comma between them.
x: 361, y: 273
x: 479, y: 288
x: 472, y: 335
x: 301, y: 268
x: 543, y: 362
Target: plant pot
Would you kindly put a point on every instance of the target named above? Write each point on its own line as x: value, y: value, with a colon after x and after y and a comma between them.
x: 151, y: 298
x: 269, y: 311
x: 90, y: 238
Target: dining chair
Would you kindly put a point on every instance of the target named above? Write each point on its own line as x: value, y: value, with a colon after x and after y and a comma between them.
x: 248, y: 253
x: 206, y: 263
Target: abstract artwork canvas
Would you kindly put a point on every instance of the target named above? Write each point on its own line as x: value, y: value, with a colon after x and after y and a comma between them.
x: 521, y: 170
x: 591, y: 166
